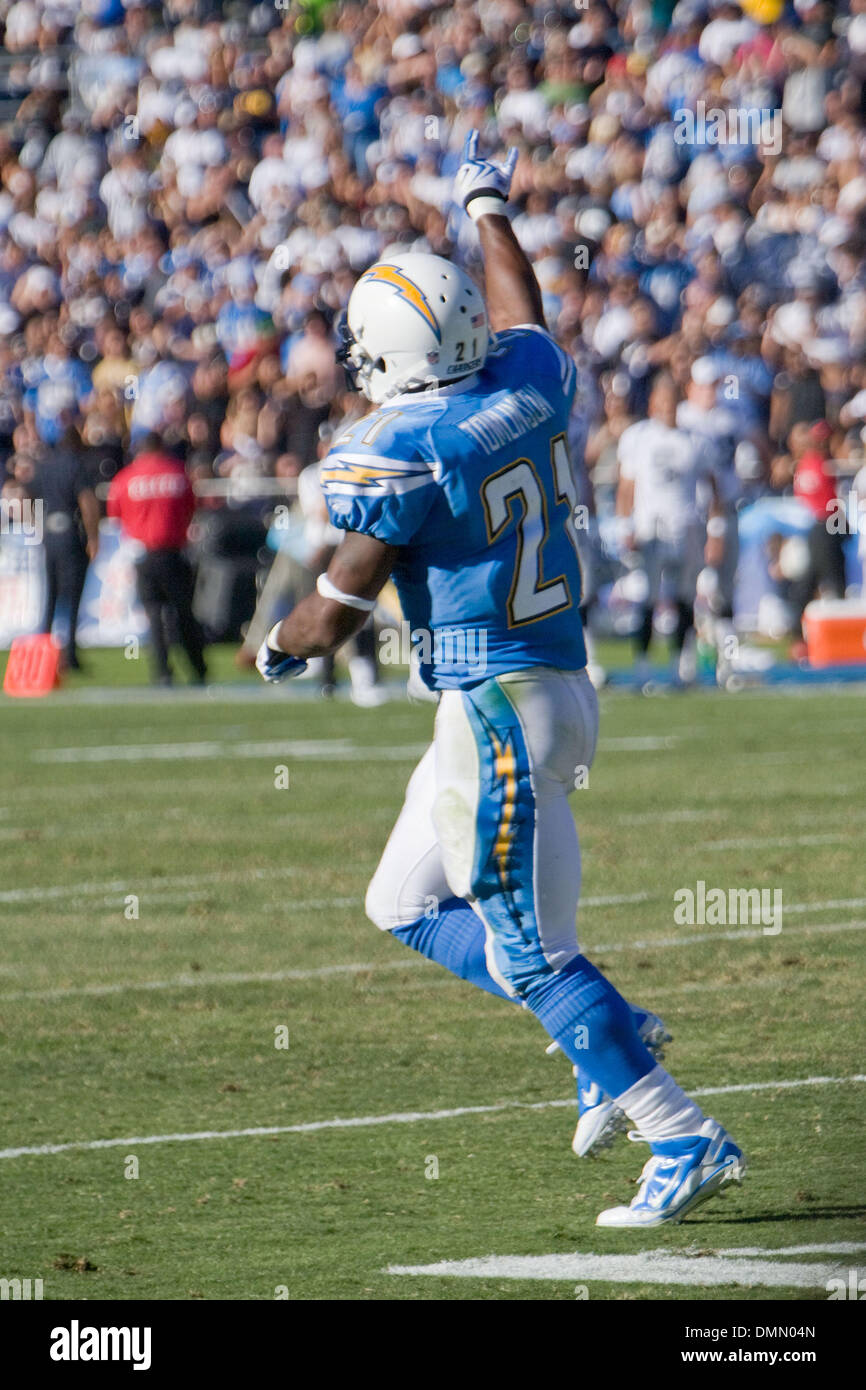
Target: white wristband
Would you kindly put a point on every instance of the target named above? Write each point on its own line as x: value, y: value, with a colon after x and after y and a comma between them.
x: 484, y: 203
x: 717, y: 526
x: 272, y: 636
x: 329, y: 590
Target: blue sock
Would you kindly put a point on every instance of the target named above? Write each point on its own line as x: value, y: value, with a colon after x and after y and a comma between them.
x: 592, y: 1023
x: 454, y: 937
x: 607, y: 1047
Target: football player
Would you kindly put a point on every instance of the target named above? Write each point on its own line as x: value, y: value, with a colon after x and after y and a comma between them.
x: 458, y: 484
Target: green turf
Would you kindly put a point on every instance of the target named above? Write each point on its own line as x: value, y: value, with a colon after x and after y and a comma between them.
x: 111, y: 666
x: 234, y: 876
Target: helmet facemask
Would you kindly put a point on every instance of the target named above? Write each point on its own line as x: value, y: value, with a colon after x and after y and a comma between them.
x: 356, y: 364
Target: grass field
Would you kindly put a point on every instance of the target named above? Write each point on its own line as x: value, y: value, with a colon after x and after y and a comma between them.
x: 170, y: 915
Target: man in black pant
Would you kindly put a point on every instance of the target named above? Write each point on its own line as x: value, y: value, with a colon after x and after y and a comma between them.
x: 153, y: 499
x: 70, y: 522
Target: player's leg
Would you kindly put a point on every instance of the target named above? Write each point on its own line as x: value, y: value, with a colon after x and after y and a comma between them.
x: 507, y: 753
x: 409, y: 893
x: 410, y: 897
x: 652, y: 559
x: 509, y: 844
x: 52, y: 581
x: 685, y: 564
x: 75, y: 577
x: 151, y: 599
x: 364, y: 667
x: 723, y: 629
x: 180, y: 584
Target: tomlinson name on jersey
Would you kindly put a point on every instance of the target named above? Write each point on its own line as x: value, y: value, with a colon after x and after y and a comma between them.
x: 507, y: 420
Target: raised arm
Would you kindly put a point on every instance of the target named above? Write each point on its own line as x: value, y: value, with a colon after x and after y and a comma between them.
x: 510, y: 286
x: 511, y: 289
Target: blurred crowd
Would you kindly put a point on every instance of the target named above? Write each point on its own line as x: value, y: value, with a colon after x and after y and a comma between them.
x: 189, y: 189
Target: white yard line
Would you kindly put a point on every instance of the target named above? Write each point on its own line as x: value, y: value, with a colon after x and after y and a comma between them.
x: 340, y: 750
x: 139, y: 884
x: 761, y: 1269
x: 143, y: 883
x: 396, y: 1118
x: 198, y: 981
x: 363, y: 967
x: 742, y: 934
x: 17, y: 833
x: 828, y: 905
x: 832, y: 1247
x: 616, y: 899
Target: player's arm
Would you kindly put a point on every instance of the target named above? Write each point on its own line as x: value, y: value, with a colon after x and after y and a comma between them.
x: 624, y: 505
x: 625, y: 497
x: 344, y: 599
x: 511, y: 289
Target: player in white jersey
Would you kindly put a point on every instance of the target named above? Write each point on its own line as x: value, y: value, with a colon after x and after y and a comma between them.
x: 465, y: 493
x: 668, y: 481
x: 724, y: 429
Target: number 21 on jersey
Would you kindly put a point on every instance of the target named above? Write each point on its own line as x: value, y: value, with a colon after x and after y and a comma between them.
x: 515, y: 494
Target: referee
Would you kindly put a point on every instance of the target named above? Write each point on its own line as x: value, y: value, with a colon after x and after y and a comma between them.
x: 153, y: 499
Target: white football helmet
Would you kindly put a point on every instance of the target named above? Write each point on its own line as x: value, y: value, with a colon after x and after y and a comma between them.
x: 413, y: 321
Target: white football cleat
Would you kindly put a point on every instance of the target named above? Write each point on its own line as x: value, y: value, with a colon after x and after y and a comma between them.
x: 600, y: 1117
x: 680, y: 1174
x: 364, y: 676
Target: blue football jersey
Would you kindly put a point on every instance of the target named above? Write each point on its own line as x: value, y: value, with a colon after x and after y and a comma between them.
x: 473, y: 483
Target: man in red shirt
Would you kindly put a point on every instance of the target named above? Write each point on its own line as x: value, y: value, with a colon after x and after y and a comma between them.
x: 815, y: 486
x: 153, y: 499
